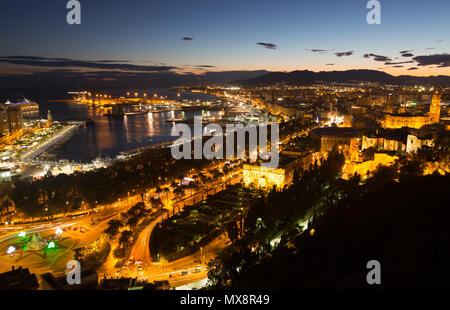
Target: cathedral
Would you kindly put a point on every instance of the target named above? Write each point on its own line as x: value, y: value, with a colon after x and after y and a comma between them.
x: 395, y: 121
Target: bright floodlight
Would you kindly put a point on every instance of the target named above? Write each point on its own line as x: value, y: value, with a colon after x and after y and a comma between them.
x: 11, y: 250
x: 51, y: 245
x: 58, y: 231
x: 22, y: 234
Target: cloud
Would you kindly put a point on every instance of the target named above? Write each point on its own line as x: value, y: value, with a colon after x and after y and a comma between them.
x: 205, y: 66
x: 33, y: 58
x: 340, y: 54
x: 71, y: 63
x: 270, y: 46
x: 378, y: 57
x: 430, y: 48
x: 440, y: 60
x: 406, y: 53
x: 413, y: 68
x: 316, y: 50
x: 397, y: 66
x: 439, y: 41
x: 330, y: 64
x: 399, y: 63
x: 187, y: 38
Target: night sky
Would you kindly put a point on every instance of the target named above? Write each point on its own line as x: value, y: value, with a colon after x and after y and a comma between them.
x: 216, y: 35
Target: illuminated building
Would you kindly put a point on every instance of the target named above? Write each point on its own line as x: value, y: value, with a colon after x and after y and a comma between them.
x: 371, y: 165
x: 14, y: 119
x: 263, y: 177
x: 49, y: 119
x: 345, y: 139
x: 3, y: 121
x: 398, y: 140
x: 435, y: 109
x: 415, y: 143
x: 5, y: 175
x: 266, y: 178
x: 395, y: 121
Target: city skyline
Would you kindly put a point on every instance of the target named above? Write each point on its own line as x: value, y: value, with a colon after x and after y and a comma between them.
x: 238, y: 149
x: 206, y: 37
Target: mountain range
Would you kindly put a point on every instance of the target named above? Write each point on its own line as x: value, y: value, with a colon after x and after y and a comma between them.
x: 306, y: 77
x: 123, y: 79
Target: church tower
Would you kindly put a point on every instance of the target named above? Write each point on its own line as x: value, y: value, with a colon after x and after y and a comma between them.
x: 435, y: 109
x: 49, y: 119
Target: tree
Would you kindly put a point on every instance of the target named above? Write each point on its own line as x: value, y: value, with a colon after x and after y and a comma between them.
x: 156, y: 203
x: 157, y: 285
x: 232, y: 231
x: 133, y: 221
x: 7, y: 204
x: 125, y: 238
x: 113, y: 227
x: 166, y: 191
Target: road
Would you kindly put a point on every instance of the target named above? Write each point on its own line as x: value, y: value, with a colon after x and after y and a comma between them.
x: 184, y: 270
x: 93, y: 226
x: 178, y: 272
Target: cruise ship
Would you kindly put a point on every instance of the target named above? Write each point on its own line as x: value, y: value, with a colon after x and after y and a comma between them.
x: 26, y: 105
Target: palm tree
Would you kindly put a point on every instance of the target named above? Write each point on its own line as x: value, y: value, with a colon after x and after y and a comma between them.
x: 133, y: 221
x: 124, y: 240
x: 113, y: 228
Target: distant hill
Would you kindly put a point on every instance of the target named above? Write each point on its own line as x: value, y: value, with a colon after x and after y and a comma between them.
x: 306, y: 77
x: 105, y: 79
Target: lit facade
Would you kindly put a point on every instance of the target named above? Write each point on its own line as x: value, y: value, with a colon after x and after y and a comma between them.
x: 415, y: 121
x: 266, y: 177
x: 263, y: 177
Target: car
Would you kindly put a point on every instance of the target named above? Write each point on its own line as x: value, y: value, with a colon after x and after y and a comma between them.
x: 131, y: 260
x: 139, y: 262
x: 140, y: 268
x: 124, y: 267
x: 184, y: 273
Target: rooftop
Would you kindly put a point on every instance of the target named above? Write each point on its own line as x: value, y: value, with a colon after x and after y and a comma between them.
x: 18, y: 279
